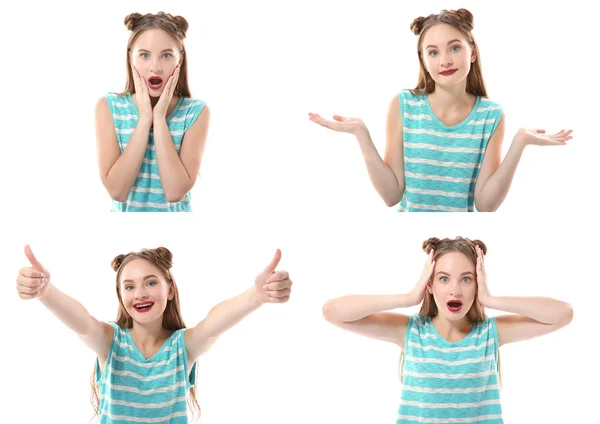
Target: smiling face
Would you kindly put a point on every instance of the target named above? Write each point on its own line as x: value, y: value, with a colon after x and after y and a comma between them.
x: 155, y: 54
x: 453, y: 285
x: 144, y: 290
x: 446, y: 54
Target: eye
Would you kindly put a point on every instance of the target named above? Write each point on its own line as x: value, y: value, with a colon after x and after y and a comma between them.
x: 151, y: 283
x: 444, y: 279
x: 128, y: 287
x: 432, y: 52
x: 466, y: 280
x: 144, y: 55
x: 455, y: 48
x: 167, y: 56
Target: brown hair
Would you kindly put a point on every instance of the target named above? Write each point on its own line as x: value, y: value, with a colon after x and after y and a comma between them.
x: 476, y: 314
x: 172, y: 319
x: 175, y: 26
x: 462, y: 20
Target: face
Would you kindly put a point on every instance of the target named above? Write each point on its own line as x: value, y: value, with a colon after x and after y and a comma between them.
x: 155, y: 55
x: 144, y: 290
x: 447, y: 55
x: 454, y: 285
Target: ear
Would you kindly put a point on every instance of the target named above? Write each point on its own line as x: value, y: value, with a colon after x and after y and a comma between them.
x: 171, y: 294
x: 473, y: 55
x: 429, y: 289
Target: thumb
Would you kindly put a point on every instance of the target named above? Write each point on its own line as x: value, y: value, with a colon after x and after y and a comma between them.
x: 33, y: 260
x: 339, y: 118
x: 274, y: 262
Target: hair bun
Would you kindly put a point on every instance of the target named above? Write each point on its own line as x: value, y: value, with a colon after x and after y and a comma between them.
x: 465, y: 16
x: 181, y: 23
x: 165, y: 256
x: 429, y: 244
x: 117, y: 261
x: 131, y: 20
x: 417, y: 25
x: 479, y: 243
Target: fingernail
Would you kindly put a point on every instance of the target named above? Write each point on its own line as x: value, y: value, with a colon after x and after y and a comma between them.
x: 265, y: 287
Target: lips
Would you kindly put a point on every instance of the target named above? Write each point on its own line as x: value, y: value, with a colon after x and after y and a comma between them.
x: 143, y: 306
x: 454, y: 305
x: 448, y: 72
x: 155, y: 82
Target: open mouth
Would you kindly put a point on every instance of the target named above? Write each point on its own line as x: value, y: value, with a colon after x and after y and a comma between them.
x: 155, y: 82
x: 143, y: 307
x: 454, y: 305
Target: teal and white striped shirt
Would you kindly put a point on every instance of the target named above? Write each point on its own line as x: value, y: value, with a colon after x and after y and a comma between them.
x: 450, y: 382
x: 147, y: 193
x: 134, y: 389
x: 441, y: 163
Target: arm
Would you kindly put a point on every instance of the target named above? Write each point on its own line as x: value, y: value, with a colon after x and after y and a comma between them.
x: 34, y: 282
x: 119, y: 171
x: 537, y: 316
x: 178, y: 173
x: 495, y: 178
x: 269, y: 287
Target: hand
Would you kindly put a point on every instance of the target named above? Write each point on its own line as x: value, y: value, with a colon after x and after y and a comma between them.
x: 271, y: 286
x: 160, y: 109
x: 418, y: 292
x: 142, y: 96
x: 540, y: 138
x: 483, y: 294
x: 340, y: 124
x: 33, y: 281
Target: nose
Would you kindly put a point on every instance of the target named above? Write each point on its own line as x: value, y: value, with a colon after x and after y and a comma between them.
x: 446, y: 60
x: 456, y: 291
x: 140, y: 293
x: 155, y: 67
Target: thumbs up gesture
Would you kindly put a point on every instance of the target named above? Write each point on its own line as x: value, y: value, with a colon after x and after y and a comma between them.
x: 32, y: 281
x: 273, y: 286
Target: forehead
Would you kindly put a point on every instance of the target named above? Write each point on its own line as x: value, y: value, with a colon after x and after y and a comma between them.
x: 155, y: 39
x: 440, y: 34
x: 137, y: 269
x: 454, y: 262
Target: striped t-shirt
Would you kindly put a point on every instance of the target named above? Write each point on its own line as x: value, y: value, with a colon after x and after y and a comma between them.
x: 441, y: 163
x: 134, y: 389
x: 147, y: 193
x: 450, y: 382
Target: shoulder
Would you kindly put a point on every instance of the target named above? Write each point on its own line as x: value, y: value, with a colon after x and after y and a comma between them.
x: 192, y: 104
x: 112, y: 100
x: 488, y: 105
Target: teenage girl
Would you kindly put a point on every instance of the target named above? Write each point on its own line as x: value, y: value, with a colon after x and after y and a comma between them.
x: 450, y: 362
x: 146, y: 359
x: 444, y: 138
x: 151, y: 137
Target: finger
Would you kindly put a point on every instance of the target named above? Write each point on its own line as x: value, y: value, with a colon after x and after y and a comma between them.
x: 278, y: 276
x: 31, y: 273
x: 30, y: 282
x: 28, y: 296
x: 279, y: 293
x: 274, y: 262
x: 339, y: 118
x: 279, y: 299
x: 30, y: 291
x: 33, y: 260
x: 278, y: 285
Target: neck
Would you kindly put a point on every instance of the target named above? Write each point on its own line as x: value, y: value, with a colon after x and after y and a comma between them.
x: 149, y: 334
x: 448, y: 328
x: 449, y: 98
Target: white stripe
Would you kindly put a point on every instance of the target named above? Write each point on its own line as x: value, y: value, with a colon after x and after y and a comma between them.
x: 153, y: 148
x: 147, y: 365
x: 117, y: 104
x: 423, y: 336
x: 145, y: 379
x: 435, y: 207
x: 124, y: 117
x: 143, y: 405
x: 147, y: 392
x: 482, y: 122
x: 450, y: 391
x: 442, y: 149
x: 413, y: 103
x: 148, y: 190
x: 463, y: 165
x: 125, y: 131
x: 190, y: 105
x: 444, y: 135
x: 123, y: 345
x: 451, y: 349
x: 450, y: 420
x: 183, y: 118
x: 485, y: 109
x: 439, y: 178
x: 178, y: 132
x: 450, y: 405
x: 148, y: 175
x: 438, y: 193
x: 444, y: 362
x: 149, y: 205
x: 149, y: 161
x: 417, y: 117
x: 164, y: 419
x: 447, y: 376
x: 483, y: 333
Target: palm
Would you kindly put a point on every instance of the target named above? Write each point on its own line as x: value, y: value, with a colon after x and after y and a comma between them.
x: 340, y: 123
x: 540, y: 138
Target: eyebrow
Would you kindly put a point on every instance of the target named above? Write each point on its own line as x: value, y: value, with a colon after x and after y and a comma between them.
x: 445, y: 273
x: 145, y: 278
x: 165, y: 50
x: 449, y: 42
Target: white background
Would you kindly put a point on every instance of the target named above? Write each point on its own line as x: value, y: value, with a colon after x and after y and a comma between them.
x: 271, y: 178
